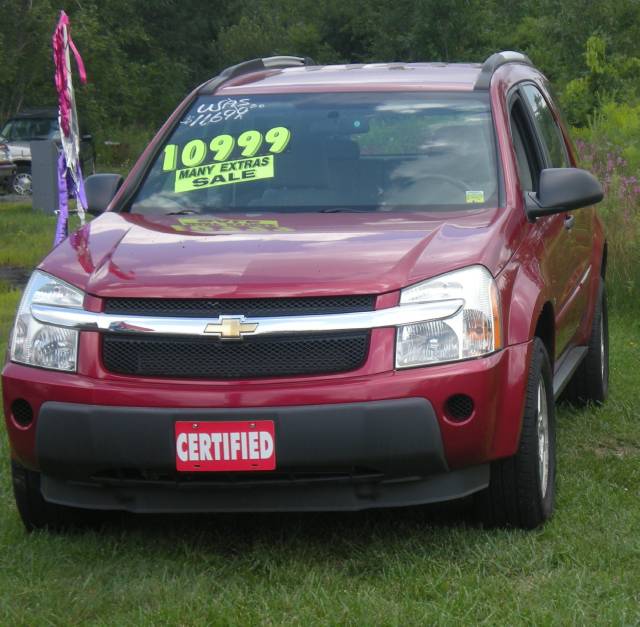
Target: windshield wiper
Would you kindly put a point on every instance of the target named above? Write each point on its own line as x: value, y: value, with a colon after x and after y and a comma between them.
x: 182, y: 212
x: 187, y: 212
x: 344, y: 210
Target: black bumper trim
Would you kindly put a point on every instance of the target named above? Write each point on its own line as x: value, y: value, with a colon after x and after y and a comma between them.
x: 355, y: 456
x: 397, y: 438
x: 328, y: 496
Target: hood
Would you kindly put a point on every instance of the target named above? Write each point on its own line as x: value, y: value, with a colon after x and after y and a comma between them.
x: 19, y: 150
x: 285, y: 254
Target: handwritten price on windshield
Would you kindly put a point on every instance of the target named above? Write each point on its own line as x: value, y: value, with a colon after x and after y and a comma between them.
x: 195, y: 152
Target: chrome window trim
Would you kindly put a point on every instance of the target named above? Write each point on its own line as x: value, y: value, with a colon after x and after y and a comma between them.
x: 400, y: 315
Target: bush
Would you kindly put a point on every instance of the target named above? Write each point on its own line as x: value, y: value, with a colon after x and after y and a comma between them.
x: 610, y: 148
x: 119, y: 148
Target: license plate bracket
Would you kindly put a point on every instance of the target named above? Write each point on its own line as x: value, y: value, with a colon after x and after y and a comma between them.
x: 225, y: 445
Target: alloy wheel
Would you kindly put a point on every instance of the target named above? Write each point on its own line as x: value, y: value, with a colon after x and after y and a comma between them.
x: 543, y: 438
x: 22, y: 184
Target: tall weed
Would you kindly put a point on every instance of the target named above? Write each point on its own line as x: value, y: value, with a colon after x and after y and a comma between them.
x: 610, y: 148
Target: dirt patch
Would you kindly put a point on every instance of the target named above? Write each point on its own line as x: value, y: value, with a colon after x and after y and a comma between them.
x: 619, y: 450
x: 15, y: 276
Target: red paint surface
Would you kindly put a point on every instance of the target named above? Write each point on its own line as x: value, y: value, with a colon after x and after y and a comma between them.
x: 314, y: 254
x: 495, y: 383
x: 335, y: 254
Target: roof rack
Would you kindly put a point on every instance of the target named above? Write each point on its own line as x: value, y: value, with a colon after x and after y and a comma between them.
x: 495, y: 61
x: 254, y: 65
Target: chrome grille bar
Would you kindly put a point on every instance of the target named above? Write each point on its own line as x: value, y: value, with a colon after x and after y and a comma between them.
x: 83, y: 320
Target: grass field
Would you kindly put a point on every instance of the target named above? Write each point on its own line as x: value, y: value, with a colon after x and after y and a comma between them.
x: 399, y: 567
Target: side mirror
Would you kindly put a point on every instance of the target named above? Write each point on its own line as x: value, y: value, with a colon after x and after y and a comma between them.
x: 100, y: 190
x: 563, y: 189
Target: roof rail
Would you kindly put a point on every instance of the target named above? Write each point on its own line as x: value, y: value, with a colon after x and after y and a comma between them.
x: 254, y: 65
x: 495, y: 61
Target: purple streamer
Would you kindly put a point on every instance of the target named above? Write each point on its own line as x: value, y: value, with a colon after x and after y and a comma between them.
x: 67, y: 187
x: 63, y: 201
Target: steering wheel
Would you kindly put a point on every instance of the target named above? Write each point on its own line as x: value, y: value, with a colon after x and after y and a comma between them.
x: 461, y: 185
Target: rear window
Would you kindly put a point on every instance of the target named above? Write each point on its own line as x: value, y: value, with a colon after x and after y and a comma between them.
x: 326, y: 152
x: 26, y: 129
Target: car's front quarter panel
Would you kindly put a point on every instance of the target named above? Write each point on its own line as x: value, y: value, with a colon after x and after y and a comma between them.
x: 495, y: 383
x: 526, y: 282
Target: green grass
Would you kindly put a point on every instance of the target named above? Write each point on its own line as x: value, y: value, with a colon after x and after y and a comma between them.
x: 413, y: 566
x: 26, y: 234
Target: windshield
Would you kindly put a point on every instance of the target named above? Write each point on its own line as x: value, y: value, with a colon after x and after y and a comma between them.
x: 326, y: 152
x: 26, y: 129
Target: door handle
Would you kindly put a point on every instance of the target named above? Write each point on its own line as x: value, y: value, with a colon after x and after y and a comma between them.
x: 569, y: 221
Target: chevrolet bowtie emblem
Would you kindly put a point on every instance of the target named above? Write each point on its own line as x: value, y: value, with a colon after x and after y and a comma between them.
x: 231, y: 328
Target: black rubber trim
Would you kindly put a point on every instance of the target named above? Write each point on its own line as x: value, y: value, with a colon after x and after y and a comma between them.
x: 327, y: 496
x: 396, y: 438
x: 250, y: 307
x: 495, y: 61
x: 254, y: 65
x: 213, y: 359
x: 566, y: 369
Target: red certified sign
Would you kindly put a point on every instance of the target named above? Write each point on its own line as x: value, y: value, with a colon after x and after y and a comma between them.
x: 225, y: 446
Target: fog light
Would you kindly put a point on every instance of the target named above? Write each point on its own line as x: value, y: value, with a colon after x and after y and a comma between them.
x: 459, y: 407
x: 22, y: 412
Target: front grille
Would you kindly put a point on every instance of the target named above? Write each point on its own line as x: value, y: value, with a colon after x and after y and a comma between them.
x: 253, y: 357
x: 208, y: 308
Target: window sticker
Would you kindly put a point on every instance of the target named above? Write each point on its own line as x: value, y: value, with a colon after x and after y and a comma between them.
x: 211, y: 226
x: 474, y: 196
x: 225, y: 109
x: 198, y: 164
x: 225, y: 173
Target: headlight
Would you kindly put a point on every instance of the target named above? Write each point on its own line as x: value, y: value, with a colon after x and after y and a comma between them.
x: 42, y: 345
x: 472, y: 332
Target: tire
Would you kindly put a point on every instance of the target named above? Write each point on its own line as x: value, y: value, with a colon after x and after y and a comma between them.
x: 522, y: 488
x: 590, y: 382
x: 21, y: 181
x: 35, y: 512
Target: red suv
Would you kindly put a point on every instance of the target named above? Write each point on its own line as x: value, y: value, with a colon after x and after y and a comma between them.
x: 320, y: 288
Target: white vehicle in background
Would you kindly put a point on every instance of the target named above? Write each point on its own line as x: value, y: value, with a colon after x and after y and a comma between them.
x: 7, y: 167
x: 33, y: 125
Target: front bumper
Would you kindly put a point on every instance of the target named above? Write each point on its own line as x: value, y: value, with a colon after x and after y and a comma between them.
x: 399, y: 456
x: 294, y: 495
x: 330, y: 457
x: 7, y: 170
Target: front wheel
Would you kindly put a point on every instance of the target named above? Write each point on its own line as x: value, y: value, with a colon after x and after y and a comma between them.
x: 21, y: 181
x: 522, y: 488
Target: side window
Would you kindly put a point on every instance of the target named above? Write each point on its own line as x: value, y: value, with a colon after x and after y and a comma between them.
x: 6, y: 131
x: 547, y: 127
x: 527, y: 157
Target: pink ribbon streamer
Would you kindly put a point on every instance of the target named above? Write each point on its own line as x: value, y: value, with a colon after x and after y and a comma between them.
x: 61, y: 77
x: 70, y: 179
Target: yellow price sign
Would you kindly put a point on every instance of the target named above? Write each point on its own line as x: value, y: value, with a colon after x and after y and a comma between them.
x: 225, y: 173
x: 196, y: 151
x: 213, y: 225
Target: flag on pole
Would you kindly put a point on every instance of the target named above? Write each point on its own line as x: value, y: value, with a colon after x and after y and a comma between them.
x: 70, y: 179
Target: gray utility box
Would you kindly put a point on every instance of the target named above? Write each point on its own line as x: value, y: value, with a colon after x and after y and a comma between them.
x: 44, y: 175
